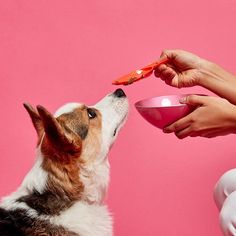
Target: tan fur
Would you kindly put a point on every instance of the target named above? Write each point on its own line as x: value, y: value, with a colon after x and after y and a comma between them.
x: 64, y: 168
x: 92, y: 144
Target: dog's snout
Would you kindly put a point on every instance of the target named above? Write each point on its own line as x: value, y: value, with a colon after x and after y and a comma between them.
x: 119, y: 93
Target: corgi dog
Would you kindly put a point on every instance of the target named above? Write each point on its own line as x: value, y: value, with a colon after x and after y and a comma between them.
x: 63, y: 193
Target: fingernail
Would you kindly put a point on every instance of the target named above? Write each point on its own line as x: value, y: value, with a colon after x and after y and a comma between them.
x: 183, y: 100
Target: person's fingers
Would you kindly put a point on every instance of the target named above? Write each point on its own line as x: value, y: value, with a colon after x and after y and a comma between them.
x: 173, y: 80
x: 179, y: 125
x: 169, y: 53
x: 184, y: 133
x: 159, y: 70
x: 194, y: 100
x: 209, y: 135
x: 164, y: 72
x: 157, y: 73
x: 168, y: 74
x: 164, y: 54
x: 213, y: 134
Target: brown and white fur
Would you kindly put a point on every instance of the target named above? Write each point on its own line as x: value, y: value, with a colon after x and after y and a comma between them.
x: 63, y: 193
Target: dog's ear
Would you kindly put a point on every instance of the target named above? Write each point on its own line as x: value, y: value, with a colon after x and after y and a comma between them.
x: 68, y: 142
x: 36, y: 120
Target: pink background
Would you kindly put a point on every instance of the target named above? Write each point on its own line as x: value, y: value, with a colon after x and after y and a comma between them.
x: 57, y: 51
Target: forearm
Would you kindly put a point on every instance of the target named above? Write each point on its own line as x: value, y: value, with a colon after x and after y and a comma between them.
x: 219, y: 81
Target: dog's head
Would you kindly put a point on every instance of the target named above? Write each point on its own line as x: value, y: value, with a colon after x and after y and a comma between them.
x: 74, y: 143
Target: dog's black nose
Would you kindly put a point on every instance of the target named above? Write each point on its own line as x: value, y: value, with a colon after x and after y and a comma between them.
x: 119, y: 93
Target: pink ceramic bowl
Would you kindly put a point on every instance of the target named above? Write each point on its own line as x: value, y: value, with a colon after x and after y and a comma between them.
x: 163, y: 111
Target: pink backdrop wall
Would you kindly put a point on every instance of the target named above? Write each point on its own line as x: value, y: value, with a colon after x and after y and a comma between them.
x: 52, y: 52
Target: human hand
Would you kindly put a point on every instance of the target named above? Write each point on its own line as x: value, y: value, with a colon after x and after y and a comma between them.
x: 182, y: 70
x: 213, y: 117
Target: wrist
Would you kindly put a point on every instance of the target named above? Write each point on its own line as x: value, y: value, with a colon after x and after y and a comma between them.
x: 218, y: 80
x: 210, y: 73
x: 232, y: 119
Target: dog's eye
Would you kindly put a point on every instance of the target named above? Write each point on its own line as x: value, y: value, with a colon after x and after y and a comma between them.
x: 91, y: 113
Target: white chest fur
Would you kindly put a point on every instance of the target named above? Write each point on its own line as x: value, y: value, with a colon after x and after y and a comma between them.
x: 86, y: 220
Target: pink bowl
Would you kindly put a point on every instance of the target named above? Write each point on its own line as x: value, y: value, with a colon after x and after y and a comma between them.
x: 163, y: 111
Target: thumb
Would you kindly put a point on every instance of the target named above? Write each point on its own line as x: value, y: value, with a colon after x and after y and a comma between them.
x: 168, y: 53
x: 194, y: 100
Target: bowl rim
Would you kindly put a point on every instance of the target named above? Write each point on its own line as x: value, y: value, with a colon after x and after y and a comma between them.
x: 149, y: 107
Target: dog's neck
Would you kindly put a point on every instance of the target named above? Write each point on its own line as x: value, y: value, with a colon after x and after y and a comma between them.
x: 34, y: 192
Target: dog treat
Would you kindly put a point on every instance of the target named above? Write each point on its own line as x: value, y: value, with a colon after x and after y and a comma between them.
x: 139, y: 74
